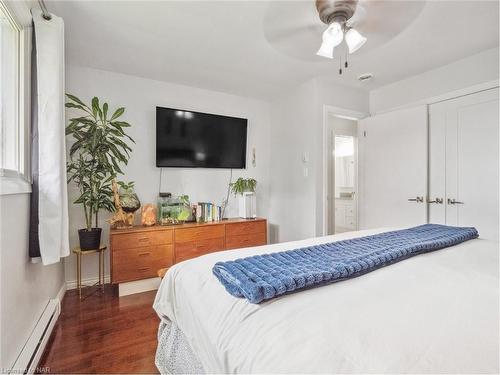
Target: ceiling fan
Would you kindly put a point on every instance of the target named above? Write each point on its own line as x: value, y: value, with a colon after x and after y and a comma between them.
x: 341, y: 16
x: 295, y: 28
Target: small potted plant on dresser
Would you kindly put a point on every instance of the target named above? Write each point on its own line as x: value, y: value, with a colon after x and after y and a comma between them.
x: 95, y: 157
x: 244, y: 188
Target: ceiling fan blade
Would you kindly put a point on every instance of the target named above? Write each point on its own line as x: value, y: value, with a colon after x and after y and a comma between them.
x: 288, y: 32
x: 358, y: 16
x: 372, y: 13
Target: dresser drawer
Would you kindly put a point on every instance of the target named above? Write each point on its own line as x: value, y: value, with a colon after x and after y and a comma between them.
x: 199, y: 233
x: 193, y: 249
x: 249, y: 227
x: 140, y: 263
x: 144, y: 254
x: 140, y: 239
x: 133, y: 272
x: 246, y: 240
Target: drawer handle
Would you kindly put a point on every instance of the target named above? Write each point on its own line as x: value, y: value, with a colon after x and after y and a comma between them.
x: 145, y: 253
x: 143, y: 239
x: 144, y: 269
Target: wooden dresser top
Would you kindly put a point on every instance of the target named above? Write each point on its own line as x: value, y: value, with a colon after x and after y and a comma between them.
x: 141, y: 228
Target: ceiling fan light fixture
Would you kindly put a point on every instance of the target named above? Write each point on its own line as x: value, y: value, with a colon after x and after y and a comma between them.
x: 326, y: 50
x: 332, y: 37
x: 354, y: 40
x: 334, y: 33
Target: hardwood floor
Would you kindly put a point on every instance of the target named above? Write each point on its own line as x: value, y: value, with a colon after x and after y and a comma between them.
x: 103, y: 334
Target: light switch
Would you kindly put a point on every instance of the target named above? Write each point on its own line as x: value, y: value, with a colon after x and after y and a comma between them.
x: 306, y: 171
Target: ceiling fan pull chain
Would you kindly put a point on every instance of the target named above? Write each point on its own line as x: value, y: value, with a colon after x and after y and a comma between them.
x: 340, y: 65
x: 346, y: 63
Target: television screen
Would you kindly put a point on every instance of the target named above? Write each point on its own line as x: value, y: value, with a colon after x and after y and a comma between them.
x: 199, y: 140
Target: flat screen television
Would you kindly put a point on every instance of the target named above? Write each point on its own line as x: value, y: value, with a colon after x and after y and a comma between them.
x: 190, y: 139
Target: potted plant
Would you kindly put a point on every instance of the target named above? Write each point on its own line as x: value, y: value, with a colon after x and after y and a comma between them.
x: 94, y: 161
x: 244, y: 188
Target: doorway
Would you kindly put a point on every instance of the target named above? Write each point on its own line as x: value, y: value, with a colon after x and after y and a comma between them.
x: 343, y: 168
x: 344, y: 162
x: 340, y: 170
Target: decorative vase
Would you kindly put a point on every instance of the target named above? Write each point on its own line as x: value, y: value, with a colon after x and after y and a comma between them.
x: 90, y: 239
x: 130, y: 204
x: 129, y: 200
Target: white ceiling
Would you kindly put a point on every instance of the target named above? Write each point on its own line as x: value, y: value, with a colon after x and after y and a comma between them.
x: 225, y: 45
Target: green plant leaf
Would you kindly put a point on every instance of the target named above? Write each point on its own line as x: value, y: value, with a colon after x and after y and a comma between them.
x: 75, y: 99
x: 183, y: 215
x: 72, y: 105
x: 122, y: 124
x: 104, y: 110
x: 95, y: 106
x: 117, y: 113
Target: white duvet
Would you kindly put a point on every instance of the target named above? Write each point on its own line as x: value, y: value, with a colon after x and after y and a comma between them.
x: 433, y: 313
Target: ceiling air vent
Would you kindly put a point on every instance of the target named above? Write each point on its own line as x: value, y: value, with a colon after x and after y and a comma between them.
x: 365, y: 77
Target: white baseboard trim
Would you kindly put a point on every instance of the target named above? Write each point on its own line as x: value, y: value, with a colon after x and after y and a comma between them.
x: 139, y: 286
x: 32, y: 351
x: 90, y: 281
x: 62, y: 292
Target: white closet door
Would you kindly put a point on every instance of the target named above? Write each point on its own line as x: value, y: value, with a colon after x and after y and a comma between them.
x: 437, y: 167
x: 394, y: 168
x: 472, y: 123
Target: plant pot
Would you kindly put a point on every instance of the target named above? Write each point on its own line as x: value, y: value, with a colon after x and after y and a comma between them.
x: 90, y: 239
x: 247, y: 205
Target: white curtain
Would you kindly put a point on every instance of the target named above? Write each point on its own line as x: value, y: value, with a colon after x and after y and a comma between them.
x: 51, y: 183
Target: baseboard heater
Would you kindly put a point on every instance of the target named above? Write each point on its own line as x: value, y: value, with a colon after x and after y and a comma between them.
x: 32, y: 351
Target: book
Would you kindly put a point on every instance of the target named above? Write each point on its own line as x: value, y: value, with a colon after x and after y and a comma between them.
x: 207, y: 212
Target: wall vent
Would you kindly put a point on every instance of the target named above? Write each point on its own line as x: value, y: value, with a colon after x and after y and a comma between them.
x: 365, y: 77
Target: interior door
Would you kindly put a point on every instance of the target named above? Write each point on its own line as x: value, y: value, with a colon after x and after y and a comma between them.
x: 393, y: 178
x: 471, y: 124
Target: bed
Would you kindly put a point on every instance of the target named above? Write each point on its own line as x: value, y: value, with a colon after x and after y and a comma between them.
x: 433, y: 313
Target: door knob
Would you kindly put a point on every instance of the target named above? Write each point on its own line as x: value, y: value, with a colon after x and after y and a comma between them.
x: 417, y: 199
x: 437, y: 200
x: 453, y: 201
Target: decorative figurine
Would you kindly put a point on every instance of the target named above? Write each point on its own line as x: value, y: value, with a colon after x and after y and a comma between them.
x: 148, y: 215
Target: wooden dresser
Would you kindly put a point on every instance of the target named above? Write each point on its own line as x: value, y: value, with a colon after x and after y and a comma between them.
x: 139, y: 252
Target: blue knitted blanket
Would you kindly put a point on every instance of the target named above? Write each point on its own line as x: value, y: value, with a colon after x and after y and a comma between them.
x: 262, y: 277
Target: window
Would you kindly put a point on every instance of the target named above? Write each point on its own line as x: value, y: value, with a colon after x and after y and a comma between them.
x: 14, y: 98
x: 9, y: 103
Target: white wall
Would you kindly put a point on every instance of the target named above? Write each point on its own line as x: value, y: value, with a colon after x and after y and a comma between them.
x: 297, y: 127
x: 294, y: 120
x: 470, y: 71
x: 140, y: 97
x: 25, y: 287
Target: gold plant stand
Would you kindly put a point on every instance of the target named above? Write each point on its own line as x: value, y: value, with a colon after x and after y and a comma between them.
x: 79, y: 252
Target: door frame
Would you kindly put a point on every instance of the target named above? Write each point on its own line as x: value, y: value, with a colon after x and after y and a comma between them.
x: 350, y: 115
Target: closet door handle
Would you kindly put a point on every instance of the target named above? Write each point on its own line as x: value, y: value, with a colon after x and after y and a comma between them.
x: 437, y: 200
x: 453, y: 201
x: 417, y: 199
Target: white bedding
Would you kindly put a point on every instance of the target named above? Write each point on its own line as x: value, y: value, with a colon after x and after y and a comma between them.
x: 433, y: 313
